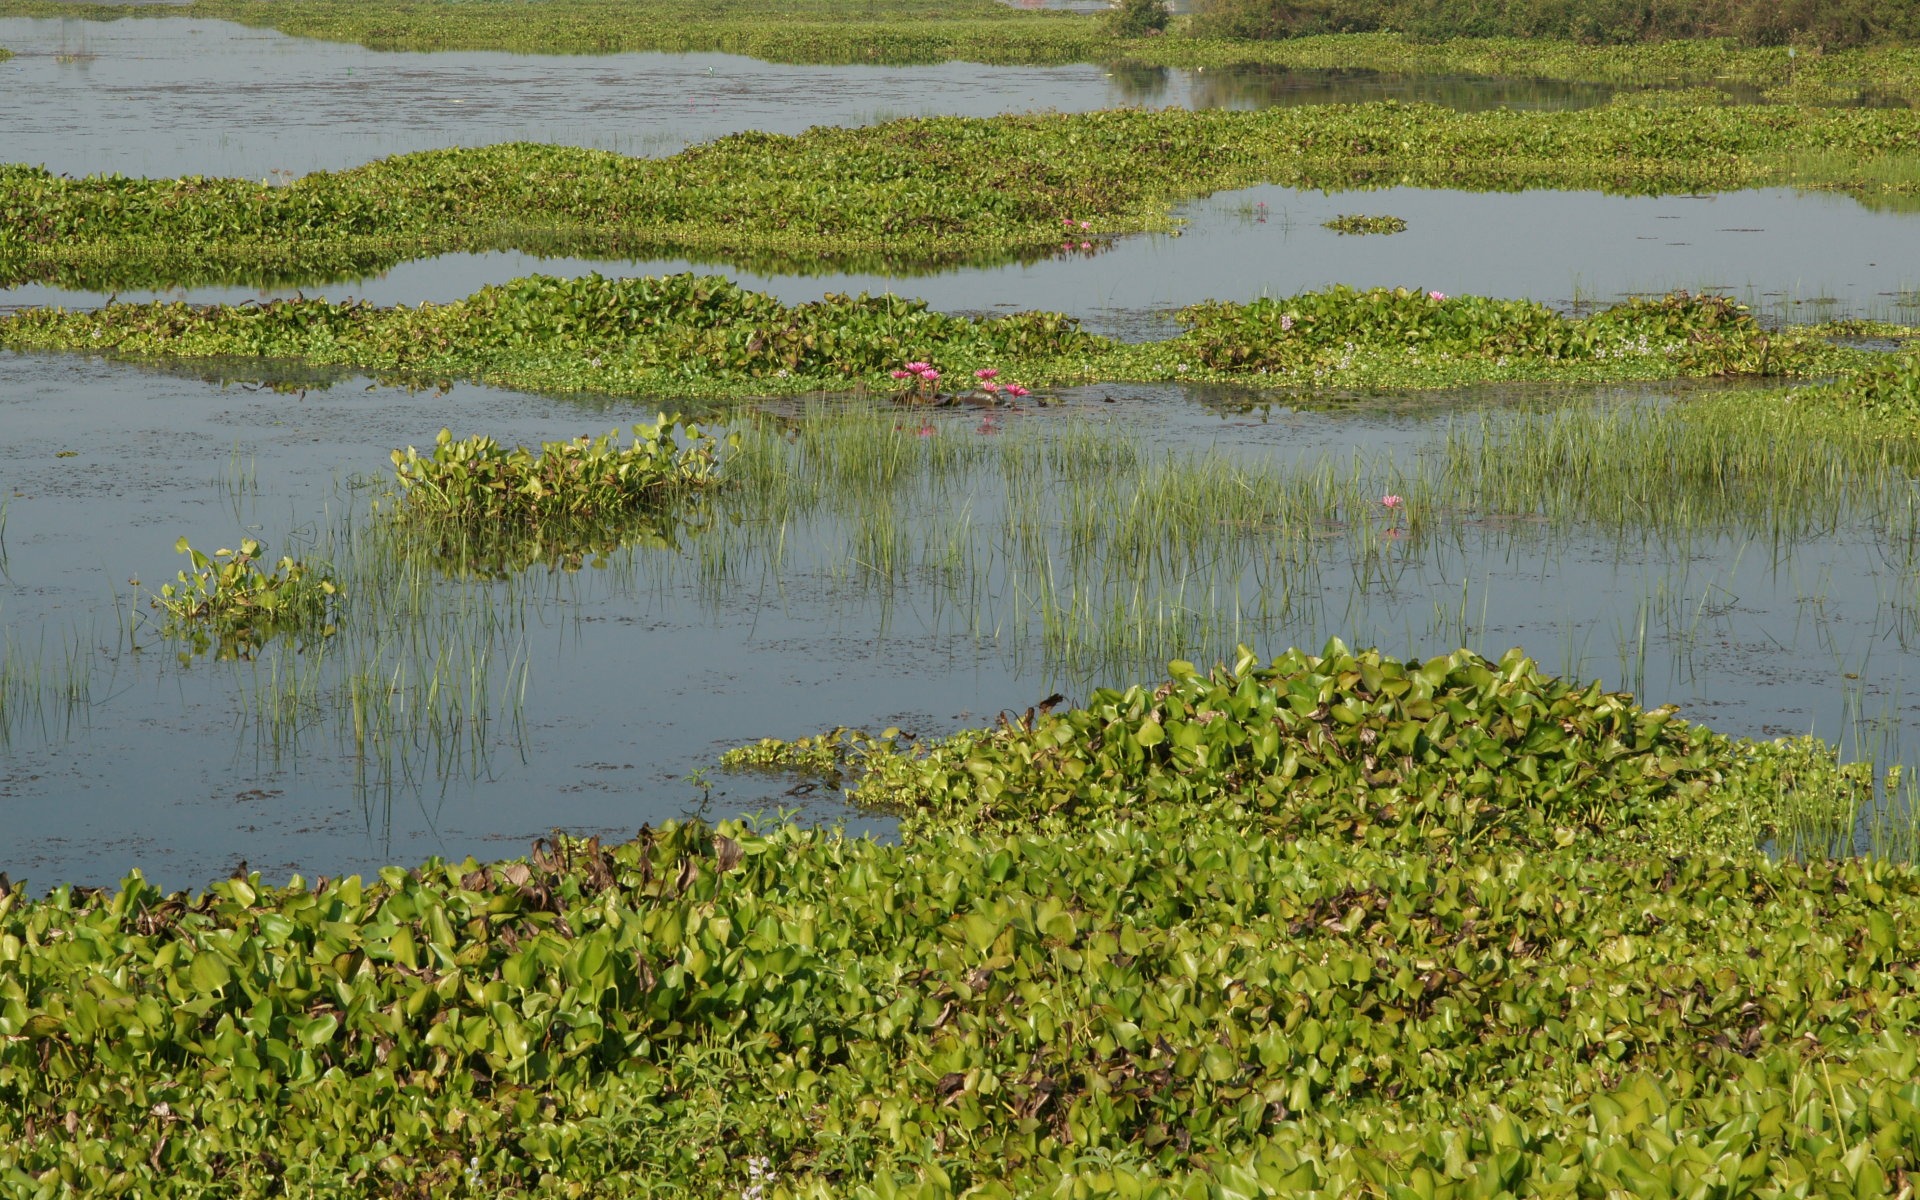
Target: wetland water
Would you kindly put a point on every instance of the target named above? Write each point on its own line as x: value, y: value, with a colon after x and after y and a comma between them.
x: 602, y: 690
x: 1800, y: 255
x: 586, y: 699
x: 170, y: 96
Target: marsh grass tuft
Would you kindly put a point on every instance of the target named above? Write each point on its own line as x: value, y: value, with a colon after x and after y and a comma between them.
x: 1355, y: 223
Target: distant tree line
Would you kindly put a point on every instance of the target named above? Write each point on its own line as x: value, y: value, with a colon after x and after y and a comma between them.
x: 1831, y: 24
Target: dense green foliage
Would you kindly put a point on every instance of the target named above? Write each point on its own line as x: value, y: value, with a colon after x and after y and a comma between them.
x: 1335, y: 926
x: 695, y: 335
x: 905, y: 193
x: 1834, y: 24
x: 1139, y: 18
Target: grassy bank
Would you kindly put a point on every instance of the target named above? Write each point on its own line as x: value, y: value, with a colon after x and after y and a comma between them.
x: 985, y: 31
x: 695, y: 336
x: 1337, y: 925
x: 906, y: 194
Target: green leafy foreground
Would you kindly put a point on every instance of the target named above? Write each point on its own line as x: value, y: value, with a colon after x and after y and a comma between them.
x: 1337, y: 925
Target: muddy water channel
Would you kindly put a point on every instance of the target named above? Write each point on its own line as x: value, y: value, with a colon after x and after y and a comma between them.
x: 993, y: 567
x: 168, y: 96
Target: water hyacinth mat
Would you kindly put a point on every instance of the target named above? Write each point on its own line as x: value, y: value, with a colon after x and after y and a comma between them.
x: 1332, y: 925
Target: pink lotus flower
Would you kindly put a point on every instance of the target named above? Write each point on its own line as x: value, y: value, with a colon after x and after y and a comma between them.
x: 917, y: 367
x: 985, y: 373
x: 1015, y: 390
x: 900, y: 374
x: 989, y: 386
x: 1392, y: 501
x: 930, y: 375
x: 1436, y: 295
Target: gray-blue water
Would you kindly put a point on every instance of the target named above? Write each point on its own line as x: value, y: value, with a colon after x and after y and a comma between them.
x: 612, y: 687
x: 169, y: 96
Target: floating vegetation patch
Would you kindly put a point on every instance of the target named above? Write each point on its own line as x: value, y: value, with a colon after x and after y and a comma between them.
x: 1318, y: 927
x: 907, y: 193
x: 228, y: 602
x: 1355, y: 223
x: 588, y: 479
x: 591, y: 334
x: 479, y: 508
x: 705, y: 336
x: 1316, y: 332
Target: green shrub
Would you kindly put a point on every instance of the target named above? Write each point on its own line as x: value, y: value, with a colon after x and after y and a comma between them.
x: 1138, y: 18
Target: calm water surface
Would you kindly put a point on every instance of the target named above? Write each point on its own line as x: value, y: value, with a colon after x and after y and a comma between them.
x: 638, y: 675
x: 176, y: 96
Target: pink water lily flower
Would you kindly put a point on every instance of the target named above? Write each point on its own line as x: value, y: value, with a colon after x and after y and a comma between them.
x: 930, y: 375
x: 1086, y: 224
x: 1014, y: 389
x: 917, y: 367
x: 1392, y: 501
x: 985, y: 373
x: 1436, y: 295
x: 900, y: 374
